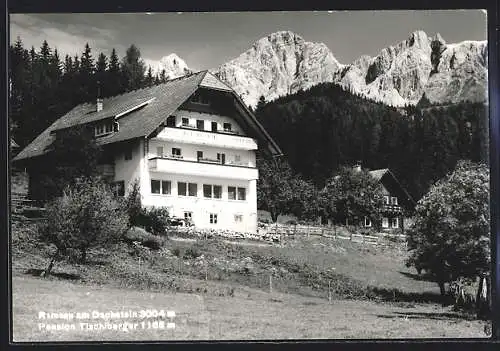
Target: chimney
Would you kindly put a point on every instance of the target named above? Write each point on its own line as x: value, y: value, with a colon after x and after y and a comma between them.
x: 99, y: 99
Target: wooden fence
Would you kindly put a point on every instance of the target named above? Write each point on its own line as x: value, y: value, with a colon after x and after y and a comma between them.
x: 284, y: 231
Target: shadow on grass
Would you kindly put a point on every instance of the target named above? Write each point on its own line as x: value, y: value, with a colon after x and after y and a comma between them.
x: 429, y: 315
x: 68, y: 276
x: 395, y: 295
x: 421, y: 277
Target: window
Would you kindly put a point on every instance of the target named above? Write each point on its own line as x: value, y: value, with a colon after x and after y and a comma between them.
x: 176, y: 152
x: 241, y: 194
x: 128, y: 154
x: 213, y: 218
x: 171, y: 121
x: 238, y: 218
x: 159, y: 151
x: 104, y: 128
x: 385, y: 222
x: 200, y: 124
x: 181, y: 189
x: 217, y: 192
x: 155, y: 186
x: 394, y: 222
x: 212, y: 191
x: 221, y: 158
x: 166, y: 187
x: 188, y: 215
x: 394, y: 200
x: 368, y: 222
x: 185, y: 121
x: 161, y: 187
x: 119, y: 188
x: 193, y: 189
x: 207, y: 190
x: 214, y: 126
x: 199, y: 155
x: 109, y: 128
x: 227, y: 127
x: 231, y: 192
x: 386, y: 199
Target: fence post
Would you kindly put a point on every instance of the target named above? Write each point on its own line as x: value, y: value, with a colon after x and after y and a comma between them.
x: 270, y: 283
x: 350, y: 236
x: 329, y: 292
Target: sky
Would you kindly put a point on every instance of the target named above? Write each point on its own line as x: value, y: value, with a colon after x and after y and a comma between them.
x: 207, y: 40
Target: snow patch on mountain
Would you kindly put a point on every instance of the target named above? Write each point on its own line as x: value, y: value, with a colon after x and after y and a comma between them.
x: 173, y: 65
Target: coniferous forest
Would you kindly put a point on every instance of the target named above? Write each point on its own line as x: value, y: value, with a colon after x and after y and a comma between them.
x: 326, y: 127
x: 318, y: 130
x: 44, y: 86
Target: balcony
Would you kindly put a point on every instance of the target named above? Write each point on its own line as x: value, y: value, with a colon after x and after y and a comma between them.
x: 392, y: 208
x: 204, y: 169
x: 201, y: 137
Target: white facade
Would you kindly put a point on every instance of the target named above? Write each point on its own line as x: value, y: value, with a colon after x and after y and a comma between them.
x: 221, y: 164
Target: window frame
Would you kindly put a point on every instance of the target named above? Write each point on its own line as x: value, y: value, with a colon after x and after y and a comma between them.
x: 152, y: 187
x: 394, y: 200
x: 176, y: 152
x: 185, y: 122
x: 229, y: 192
x: 179, y: 189
x: 169, y: 120
x: 368, y: 222
x: 214, y: 193
x: 387, y: 200
x: 227, y: 127
x: 200, y: 123
x: 240, y: 216
x: 205, y: 188
x: 169, y: 187
x: 195, y: 189
x: 244, y: 193
x: 385, y: 219
x: 213, y: 218
x: 394, y: 223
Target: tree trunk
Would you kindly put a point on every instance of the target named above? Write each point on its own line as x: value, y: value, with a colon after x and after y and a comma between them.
x: 83, y: 258
x: 47, y: 270
x: 274, y: 216
x: 442, y: 290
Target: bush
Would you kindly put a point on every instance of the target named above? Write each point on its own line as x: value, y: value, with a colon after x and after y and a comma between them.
x: 154, y: 220
x: 87, y: 215
x: 176, y: 252
x: 192, y: 252
x: 144, y: 238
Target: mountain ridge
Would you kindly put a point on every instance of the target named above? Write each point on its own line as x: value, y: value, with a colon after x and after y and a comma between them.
x: 283, y: 63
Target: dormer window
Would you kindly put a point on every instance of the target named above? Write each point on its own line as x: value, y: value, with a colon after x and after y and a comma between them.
x: 103, y: 128
x: 227, y: 127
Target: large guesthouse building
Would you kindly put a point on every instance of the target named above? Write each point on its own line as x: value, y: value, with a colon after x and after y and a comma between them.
x: 190, y: 143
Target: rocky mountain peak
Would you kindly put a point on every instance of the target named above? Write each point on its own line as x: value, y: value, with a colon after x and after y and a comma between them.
x: 278, y: 64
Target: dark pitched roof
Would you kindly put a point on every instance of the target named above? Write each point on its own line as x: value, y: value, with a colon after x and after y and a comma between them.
x: 164, y: 100
x: 379, y: 174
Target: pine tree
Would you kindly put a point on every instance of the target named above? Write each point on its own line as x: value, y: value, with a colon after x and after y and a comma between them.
x: 114, y: 80
x: 149, y: 80
x: 133, y: 68
x: 86, y: 75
